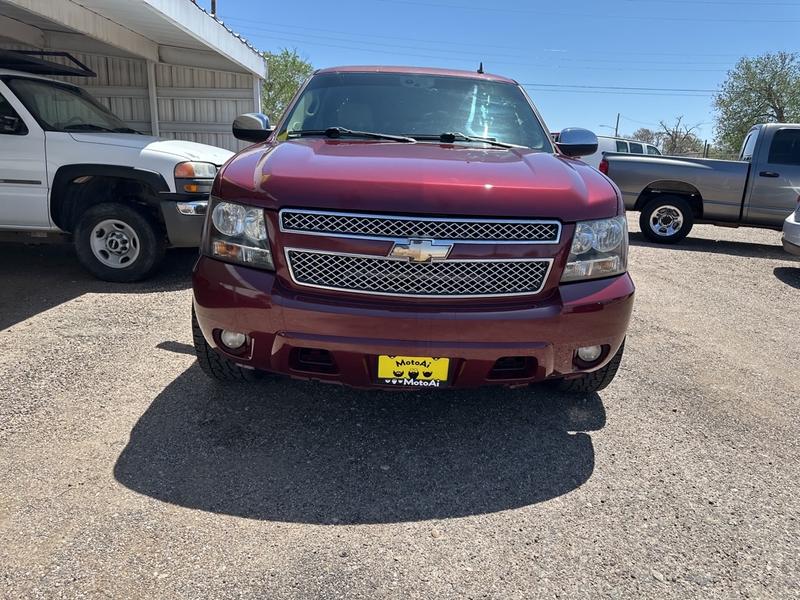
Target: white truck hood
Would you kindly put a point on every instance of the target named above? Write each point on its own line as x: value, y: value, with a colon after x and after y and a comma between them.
x: 176, y: 148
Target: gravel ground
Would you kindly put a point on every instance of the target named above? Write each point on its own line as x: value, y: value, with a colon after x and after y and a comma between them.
x: 124, y: 473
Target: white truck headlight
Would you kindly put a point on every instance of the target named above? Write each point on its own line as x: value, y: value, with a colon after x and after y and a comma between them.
x: 238, y: 233
x: 194, y: 177
x: 599, y: 249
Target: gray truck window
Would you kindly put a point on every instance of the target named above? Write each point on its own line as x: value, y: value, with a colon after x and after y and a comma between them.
x: 636, y: 148
x: 622, y: 146
x: 785, y: 148
x: 653, y: 150
x: 749, y: 145
x: 10, y: 122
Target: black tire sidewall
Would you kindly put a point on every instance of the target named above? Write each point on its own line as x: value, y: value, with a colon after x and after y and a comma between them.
x: 653, y: 205
x: 151, y: 242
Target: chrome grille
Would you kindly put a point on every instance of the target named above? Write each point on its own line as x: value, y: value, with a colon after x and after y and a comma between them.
x: 393, y: 227
x: 386, y: 276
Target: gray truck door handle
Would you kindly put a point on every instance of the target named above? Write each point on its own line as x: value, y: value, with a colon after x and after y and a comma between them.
x: 769, y: 174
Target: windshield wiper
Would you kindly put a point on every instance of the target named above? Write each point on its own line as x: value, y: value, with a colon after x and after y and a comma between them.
x: 86, y: 127
x: 455, y: 136
x: 125, y: 130
x: 338, y: 132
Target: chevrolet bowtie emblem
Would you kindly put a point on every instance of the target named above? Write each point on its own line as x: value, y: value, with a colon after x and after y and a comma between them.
x: 420, y: 250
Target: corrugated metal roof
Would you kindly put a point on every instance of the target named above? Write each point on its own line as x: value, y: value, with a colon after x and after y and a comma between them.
x: 173, y: 23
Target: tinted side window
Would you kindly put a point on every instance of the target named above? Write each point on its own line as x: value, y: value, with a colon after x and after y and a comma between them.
x: 10, y: 123
x: 785, y: 148
x: 637, y: 148
x: 749, y: 145
x: 622, y: 146
x: 653, y: 150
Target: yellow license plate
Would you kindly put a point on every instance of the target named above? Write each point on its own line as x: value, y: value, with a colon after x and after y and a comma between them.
x: 414, y: 371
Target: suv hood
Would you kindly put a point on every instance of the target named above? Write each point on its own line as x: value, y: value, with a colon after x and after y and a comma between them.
x: 178, y: 148
x: 418, y: 178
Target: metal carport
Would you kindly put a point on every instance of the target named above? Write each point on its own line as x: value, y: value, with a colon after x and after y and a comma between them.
x: 165, y: 67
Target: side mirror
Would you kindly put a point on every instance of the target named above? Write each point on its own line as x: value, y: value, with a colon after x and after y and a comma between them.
x: 251, y: 127
x: 574, y: 141
x: 12, y: 125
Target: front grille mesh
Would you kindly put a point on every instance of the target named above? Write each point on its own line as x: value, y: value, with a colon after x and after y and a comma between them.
x: 450, y: 278
x: 385, y: 226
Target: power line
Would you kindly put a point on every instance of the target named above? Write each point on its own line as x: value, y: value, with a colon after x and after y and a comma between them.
x: 462, y: 57
x: 361, y: 35
x: 691, y: 56
x: 350, y: 37
x: 616, y: 92
x: 747, y: 4
x: 619, y: 87
x: 628, y: 17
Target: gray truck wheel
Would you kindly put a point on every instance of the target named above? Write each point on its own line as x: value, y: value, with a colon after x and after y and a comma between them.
x: 666, y: 219
x: 116, y: 242
x: 214, y: 364
x: 595, y: 381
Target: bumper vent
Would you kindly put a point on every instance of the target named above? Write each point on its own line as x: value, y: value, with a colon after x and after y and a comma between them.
x: 394, y: 227
x: 393, y: 277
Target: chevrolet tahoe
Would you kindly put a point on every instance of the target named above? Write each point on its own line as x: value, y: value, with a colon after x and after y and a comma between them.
x: 412, y: 228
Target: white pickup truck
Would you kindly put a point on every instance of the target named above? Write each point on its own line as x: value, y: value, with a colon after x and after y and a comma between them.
x: 69, y: 165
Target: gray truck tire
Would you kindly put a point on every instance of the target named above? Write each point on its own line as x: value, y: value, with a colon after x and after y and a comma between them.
x: 666, y: 219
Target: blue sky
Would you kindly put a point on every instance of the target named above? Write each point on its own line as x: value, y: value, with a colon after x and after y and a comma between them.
x: 665, y: 44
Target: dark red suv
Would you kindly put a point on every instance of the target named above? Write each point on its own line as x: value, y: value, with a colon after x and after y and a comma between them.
x: 412, y: 228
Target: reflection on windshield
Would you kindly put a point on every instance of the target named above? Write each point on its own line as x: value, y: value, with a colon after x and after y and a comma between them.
x: 65, y: 108
x: 423, y: 105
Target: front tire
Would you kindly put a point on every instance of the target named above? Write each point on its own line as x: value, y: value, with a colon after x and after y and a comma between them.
x: 594, y: 381
x: 214, y: 364
x: 666, y: 219
x: 116, y: 242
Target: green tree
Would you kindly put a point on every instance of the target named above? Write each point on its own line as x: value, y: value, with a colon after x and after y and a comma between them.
x: 763, y: 89
x: 286, y: 71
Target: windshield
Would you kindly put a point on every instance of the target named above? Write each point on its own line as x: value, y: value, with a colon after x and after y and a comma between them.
x: 64, y: 107
x: 417, y: 105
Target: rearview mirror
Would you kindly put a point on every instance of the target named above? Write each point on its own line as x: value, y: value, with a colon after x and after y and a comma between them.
x: 575, y: 141
x: 251, y: 127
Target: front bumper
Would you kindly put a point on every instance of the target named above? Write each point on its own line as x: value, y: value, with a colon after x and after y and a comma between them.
x: 791, y: 233
x: 184, y: 215
x: 279, y: 320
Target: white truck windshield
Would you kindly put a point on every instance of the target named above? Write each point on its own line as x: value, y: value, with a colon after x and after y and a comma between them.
x: 60, y: 107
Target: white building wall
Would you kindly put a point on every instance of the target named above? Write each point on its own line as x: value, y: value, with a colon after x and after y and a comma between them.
x: 193, y: 104
x: 200, y: 104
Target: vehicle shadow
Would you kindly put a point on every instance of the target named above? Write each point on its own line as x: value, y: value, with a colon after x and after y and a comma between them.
x: 290, y: 451
x: 38, y: 277
x: 788, y: 275
x: 695, y: 244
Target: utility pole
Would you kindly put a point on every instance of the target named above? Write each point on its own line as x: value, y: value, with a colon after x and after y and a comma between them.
x: 616, y: 128
x: 213, y: 8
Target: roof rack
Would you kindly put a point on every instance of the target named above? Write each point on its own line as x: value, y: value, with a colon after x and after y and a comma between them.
x: 27, y: 61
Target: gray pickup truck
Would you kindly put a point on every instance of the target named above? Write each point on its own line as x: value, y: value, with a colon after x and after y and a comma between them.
x: 673, y: 193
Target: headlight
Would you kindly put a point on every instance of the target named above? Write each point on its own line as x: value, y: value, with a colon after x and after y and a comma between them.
x: 237, y: 233
x: 599, y: 249
x: 194, y: 177
x: 195, y: 170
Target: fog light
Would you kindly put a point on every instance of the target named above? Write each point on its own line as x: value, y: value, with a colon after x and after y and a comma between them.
x: 232, y: 339
x: 589, y: 354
